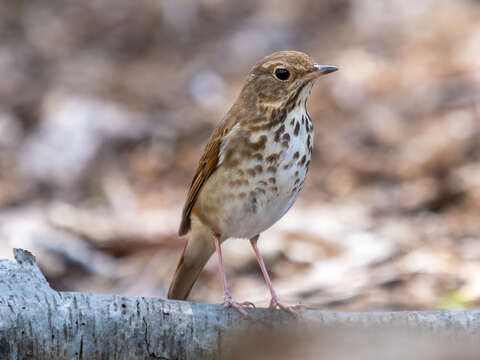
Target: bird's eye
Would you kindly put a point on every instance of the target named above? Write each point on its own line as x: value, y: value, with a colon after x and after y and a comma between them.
x: 282, y: 74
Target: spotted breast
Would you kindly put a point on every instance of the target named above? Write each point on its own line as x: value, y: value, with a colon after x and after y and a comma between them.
x: 261, y: 169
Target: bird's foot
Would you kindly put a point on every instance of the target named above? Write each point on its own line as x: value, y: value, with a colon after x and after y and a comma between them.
x: 229, y: 303
x: 276, y: 304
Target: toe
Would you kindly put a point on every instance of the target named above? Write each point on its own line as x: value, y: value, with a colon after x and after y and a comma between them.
x: 274, y: 304
x: 248, y: 304
x: 233, y: 304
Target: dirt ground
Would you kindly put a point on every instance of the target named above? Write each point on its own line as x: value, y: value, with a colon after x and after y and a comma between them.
x: 105, y: 109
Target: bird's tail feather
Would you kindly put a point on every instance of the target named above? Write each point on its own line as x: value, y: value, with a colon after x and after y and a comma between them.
x: 195, y: 255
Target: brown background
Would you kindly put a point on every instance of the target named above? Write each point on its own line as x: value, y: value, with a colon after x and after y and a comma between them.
x: 105, y: 108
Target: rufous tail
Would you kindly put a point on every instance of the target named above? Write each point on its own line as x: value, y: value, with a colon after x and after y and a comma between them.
x: 195, y: 255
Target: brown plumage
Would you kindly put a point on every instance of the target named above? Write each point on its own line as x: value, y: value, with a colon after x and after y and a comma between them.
x: 206, y: 165
x: 264, y: 139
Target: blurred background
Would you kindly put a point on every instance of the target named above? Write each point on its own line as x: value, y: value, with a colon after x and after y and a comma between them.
x: 105, y: 108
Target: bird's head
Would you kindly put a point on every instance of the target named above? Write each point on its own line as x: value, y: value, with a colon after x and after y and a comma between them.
x: 282, y: 75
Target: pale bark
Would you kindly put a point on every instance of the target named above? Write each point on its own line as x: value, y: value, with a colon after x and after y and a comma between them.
x: 40, y: 323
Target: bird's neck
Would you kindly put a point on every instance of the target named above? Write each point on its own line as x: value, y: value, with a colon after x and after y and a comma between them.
x: 259, y: 114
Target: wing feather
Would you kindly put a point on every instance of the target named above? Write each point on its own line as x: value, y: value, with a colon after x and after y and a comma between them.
x: 206, y: 166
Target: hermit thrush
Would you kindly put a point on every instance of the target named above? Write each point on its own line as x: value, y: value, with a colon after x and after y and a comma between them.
x: 252, y: 168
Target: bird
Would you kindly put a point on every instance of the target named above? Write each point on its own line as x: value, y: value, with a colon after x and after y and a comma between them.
x: 251, y: 171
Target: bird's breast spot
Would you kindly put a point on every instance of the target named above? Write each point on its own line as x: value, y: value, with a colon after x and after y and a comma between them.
x: 252, y: 204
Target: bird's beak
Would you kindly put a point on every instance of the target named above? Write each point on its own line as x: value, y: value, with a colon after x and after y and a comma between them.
x: 320, y: 70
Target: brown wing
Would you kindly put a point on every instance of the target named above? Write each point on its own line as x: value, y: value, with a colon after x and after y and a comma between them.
x: 206, y: 166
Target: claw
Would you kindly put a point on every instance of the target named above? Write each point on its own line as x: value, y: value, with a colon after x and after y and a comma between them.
x: 248, y: 304
x: 229, y: 303
x: 275, y: 303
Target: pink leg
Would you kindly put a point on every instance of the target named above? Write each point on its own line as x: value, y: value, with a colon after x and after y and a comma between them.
x: 227, y: 298
x: 275, y: 301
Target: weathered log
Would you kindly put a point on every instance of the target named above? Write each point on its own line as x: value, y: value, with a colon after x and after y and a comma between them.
x: 37, y: 322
